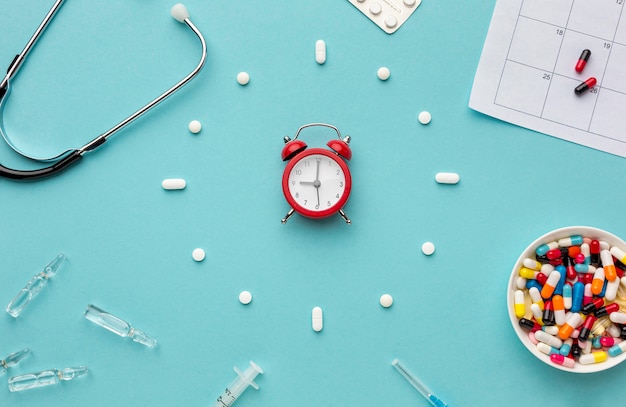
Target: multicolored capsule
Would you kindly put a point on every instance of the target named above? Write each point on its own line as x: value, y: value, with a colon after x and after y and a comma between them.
x: 582, y: 60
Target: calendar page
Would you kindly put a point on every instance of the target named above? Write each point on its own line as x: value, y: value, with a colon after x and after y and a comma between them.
x: 527, y: 74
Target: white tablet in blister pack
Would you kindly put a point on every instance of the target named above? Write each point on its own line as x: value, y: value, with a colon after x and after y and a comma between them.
x: 387, y: 14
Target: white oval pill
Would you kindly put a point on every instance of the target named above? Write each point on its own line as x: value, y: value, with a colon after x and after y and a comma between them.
x: 198, y: 254
x: 195, y: 126
x: 245, y: 297
x: 243, y: 78
x: 447, y: 177
x: 386, y: 300
x: 173, y: 183
x: 428, y: 248
x: 383, y: 73
x: 320, y: 51
x: 424, y: 117
x: 317, y: 319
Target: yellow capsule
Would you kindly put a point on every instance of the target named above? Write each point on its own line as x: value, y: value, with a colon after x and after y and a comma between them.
x: 527, y: 273
x: 593, y: 357
x: 520, y: 306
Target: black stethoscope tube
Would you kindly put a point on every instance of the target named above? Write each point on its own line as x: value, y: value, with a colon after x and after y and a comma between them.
x: 179, y: 12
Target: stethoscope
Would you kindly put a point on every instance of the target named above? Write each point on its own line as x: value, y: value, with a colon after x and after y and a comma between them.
x: 71, y: 156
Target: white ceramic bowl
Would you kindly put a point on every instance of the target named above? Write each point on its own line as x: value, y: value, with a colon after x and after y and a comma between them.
x: 557, y: 234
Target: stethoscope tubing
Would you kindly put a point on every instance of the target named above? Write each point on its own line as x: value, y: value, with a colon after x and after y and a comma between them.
x: 74, y: 155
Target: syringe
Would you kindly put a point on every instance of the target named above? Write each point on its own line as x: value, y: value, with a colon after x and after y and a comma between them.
x: 118, y: 326
x: 45, y: 378
x: 12, y: 360
x: 32, y: 288
x: 419, y: 386
x: 241, y: 382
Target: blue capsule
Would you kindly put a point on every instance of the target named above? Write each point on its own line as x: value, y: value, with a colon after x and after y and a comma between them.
x: 574, y: 240
x: 578, y: 292
x: 558, y: 290
x: 544, y: 248
x: 533, y: 283
x: 584, y: 268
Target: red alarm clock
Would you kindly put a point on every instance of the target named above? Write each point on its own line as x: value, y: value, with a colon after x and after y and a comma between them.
x: 317, y: 181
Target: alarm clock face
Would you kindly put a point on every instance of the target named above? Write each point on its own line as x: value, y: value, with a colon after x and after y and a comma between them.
x: 317, y: 183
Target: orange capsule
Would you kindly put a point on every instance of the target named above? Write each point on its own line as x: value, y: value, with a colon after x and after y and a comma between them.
x: 598, y: 282
x: 572, y: 322
x: 607, y: 263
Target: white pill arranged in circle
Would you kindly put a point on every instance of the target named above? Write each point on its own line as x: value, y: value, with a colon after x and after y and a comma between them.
x: 447, y: 177
x: 320, y: 52
x: 173, y: 183
x: 245, y: 297
x: 198, y: 254
x: 428, y: 248
x: 317, y: 319
x: 424, y: 117
x: 386, y: 300
x: 243, y: 78
x: 383, y: 73
x: 195, y: 126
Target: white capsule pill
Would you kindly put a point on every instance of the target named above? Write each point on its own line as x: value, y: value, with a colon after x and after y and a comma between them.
x: 243, y: 78
x: 447, y: 177
x: 195, y: 126
x: 317, y: 319
x: 320, y: 51
x: 548, y: 339
x: 173, y: 183
x: 428, y: 248
x: 424, y: 117
x: 383, y: 73
x: 245, y: 297
x: 198, y: 254
x: 618, y: 317
x: 386, y: 300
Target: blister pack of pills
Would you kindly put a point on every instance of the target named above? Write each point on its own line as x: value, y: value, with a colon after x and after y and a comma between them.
x: 389, y: 15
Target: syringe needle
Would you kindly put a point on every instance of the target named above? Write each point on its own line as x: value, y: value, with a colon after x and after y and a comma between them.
x: 34, y: 285
x: 118, y: 326
x: 13, y: 359
x: 45, y: 378
x: 419, y: 386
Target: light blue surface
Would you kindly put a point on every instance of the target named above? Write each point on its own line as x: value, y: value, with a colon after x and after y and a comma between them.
x: 129, y: 242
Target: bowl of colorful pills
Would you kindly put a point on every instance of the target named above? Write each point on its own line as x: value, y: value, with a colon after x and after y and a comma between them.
x: 567, y: 299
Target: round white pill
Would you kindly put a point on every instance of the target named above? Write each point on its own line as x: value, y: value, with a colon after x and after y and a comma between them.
x: 409, y: 3
x: 386, y: 300
x: 428, y: 248
x: 243, y: 78
x: 173, y: 183
x: 376, y: 8
x: 424, y: 117
x: 198, y: 254
x: 391, y: 21
x: 195, y: 126
x: 383, y: 73
x: 245, y: 297
x: 447, y: 177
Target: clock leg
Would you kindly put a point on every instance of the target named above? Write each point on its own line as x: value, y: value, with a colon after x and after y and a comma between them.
x: 286, y: 218
x: 343, y: 215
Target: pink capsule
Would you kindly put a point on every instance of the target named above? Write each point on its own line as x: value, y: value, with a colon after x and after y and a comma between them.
x: 559, y: 359
x: 608, y: 341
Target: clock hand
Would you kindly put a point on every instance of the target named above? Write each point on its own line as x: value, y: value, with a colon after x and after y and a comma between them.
x: 317, y: 182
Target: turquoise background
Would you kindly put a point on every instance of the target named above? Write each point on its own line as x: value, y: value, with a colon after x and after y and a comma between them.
x: 129, y: 242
